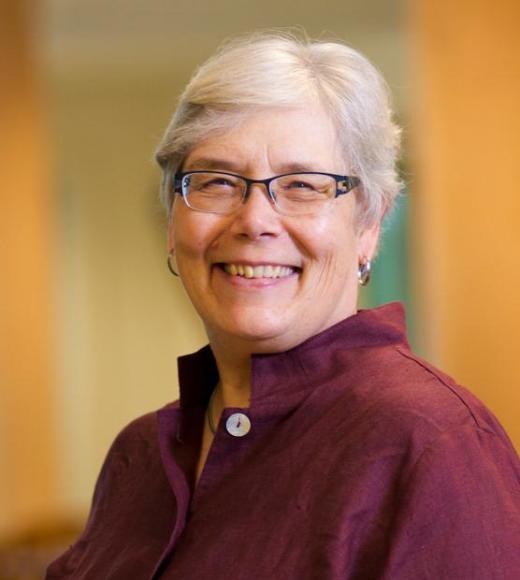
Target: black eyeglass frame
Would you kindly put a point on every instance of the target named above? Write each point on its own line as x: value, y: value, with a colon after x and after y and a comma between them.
x: 348, y: 182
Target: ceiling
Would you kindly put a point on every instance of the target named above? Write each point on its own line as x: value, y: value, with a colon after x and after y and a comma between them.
x: 85, y: 38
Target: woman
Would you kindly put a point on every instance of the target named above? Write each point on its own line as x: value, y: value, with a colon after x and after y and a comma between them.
x: 309, y: 441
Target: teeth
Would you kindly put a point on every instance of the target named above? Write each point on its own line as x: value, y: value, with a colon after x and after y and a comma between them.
x: 259, y: 272
x: 267, y: 271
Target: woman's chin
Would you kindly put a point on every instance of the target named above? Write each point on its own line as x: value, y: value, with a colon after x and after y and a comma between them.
x: 263, y: 330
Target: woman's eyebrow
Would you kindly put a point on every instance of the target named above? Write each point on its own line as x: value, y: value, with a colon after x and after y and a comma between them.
x: 214, y: 163
x: 296, y: 167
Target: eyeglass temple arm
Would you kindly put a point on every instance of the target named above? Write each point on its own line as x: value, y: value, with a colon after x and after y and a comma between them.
x: 349, y: 184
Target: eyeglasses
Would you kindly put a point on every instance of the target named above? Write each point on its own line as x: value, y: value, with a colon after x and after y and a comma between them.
x: 291, y: 193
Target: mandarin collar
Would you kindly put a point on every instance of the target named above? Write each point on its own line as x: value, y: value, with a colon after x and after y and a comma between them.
x: 283, y: 376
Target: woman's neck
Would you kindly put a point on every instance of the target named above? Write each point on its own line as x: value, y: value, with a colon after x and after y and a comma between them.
x: 234, y: 368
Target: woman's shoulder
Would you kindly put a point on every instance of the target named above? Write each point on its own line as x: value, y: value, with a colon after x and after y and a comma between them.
x: 401, y: 395
x: 141, y: 432
x: 420, y: 388
x: 133, y: 456
x: 141, y: 429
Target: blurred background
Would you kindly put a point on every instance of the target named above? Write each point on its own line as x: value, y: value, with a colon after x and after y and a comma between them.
x: 91, y: 322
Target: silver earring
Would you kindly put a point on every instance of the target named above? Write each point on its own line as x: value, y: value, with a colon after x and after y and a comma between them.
x: 171, y: 263
x: 363, y: 273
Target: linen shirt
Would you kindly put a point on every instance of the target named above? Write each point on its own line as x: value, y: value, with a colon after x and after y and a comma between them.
x: 362, y: 462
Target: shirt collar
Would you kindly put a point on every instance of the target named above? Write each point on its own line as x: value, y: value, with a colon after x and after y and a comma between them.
x: 286, y: 376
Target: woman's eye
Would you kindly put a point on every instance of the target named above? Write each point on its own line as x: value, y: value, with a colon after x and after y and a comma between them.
x: 221, y: 182
x: 300, y: 185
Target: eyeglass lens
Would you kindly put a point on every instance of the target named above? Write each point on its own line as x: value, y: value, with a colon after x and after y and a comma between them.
x: 222, y: 193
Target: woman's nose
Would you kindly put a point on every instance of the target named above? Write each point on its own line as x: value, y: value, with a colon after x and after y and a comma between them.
x: 257, y: 216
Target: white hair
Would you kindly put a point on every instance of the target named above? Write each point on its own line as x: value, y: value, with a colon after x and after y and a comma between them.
x: 266, y: 70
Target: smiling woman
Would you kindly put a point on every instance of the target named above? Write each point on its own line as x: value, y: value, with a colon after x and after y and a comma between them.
x: 309, y: 442
x: 317, y: 246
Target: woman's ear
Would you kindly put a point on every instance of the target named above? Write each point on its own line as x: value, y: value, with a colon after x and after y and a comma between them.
x: 368, y: 240
x: 170, y: 234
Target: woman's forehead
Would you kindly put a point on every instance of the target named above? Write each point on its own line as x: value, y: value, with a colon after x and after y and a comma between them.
x: 291, y: 140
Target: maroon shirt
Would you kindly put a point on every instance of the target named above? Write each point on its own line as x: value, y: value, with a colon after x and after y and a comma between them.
x: 362, y: 462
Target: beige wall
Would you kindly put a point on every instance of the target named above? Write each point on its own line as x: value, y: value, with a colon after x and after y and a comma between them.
x: 466, y: 219
x: 27, y: 442
x: 123, y: 318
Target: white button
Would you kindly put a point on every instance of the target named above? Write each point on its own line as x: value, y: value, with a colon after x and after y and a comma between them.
x: 238, y: 424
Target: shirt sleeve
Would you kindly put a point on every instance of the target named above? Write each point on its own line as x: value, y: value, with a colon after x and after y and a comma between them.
x: 458, y: 511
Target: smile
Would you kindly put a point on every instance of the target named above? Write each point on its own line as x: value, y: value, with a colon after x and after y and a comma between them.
x: 263, y: 271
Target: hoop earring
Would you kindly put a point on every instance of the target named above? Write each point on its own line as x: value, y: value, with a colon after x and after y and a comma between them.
x: 171, y: 266
x: 363, y: 273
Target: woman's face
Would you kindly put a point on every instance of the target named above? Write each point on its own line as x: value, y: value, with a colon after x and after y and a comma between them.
x: 319, y: 253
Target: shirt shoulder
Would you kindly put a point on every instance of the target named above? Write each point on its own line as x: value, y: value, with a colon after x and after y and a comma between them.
x: 140, y: 432
x: 132, y: 485
x: 392, y: 398
x: 406, y: 384
x: 134, y: 442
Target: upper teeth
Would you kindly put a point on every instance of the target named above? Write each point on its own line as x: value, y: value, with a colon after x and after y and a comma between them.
x: 265, y: 271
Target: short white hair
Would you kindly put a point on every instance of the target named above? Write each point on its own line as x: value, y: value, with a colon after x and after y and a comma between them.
x: 266, y: 70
